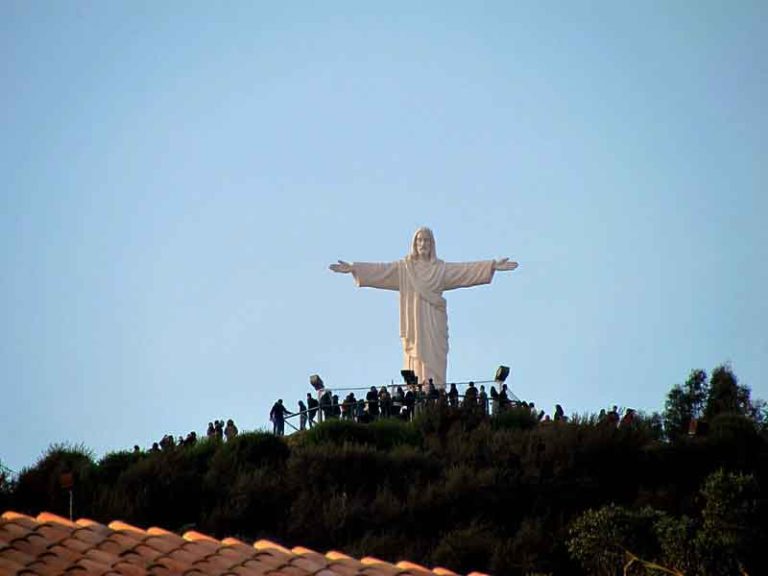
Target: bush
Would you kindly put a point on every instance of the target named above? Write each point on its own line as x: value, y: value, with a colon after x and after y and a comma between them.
x: 383, y: 434
x: 42, y: 487
x: 466, y: 549
x: 514, y: 419
x: 600, y: 539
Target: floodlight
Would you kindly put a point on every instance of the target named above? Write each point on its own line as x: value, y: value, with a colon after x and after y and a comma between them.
x: 316, y: 382
x: 501, y: 373
x: 410, y: 377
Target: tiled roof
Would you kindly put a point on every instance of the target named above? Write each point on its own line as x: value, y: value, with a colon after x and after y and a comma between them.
x: 49, y: 544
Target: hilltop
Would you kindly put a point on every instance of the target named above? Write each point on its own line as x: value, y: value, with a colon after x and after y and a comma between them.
x: 506, y: 494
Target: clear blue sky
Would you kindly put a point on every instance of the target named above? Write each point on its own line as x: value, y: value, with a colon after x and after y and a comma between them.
x: 177, y: 176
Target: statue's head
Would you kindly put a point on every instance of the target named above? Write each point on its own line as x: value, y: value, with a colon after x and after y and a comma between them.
x: 423, y: 245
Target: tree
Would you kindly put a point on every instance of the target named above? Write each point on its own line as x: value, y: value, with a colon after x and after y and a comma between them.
x: 728, y: 538
x: 723, y: 540
x: 684, y: 403
x: 726, y: 395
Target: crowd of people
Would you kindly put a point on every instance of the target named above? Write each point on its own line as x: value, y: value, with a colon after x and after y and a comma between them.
x: 397, y: 401
x: 404, y: 402
x: 217, y: 430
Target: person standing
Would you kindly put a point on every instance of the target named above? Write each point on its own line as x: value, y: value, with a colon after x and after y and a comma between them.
x: 470, y: 396
x: 312, y: 407
x: 231, y: 430
x: 372, y: 398
x: 385, y: 402
x: 302, y: 416
x: 277, y: 416
x: 453, y: 396
x: 483, y: 396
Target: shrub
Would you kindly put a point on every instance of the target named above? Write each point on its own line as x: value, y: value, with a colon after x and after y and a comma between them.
x: 514, y: 419
x: 42, y: 487
x: 383, y: 434
x: 466, y: 549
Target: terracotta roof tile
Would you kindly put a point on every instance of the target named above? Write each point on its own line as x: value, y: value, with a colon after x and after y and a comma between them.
x: 376, y: 567
x: 12, y: 529
x: 100, y: 556
x: 381, y: 570
x: 236, y: 556
x: 16, y: 516
x: 413, y: 568
x: 309, y: 564
x: 271, y: 560
x: 185, y: 556
x: 95, y: 566
x: 77, y: 570
x: 127, y: 569
x: 252, y: 567
x: 18, y: 556
x: 110, y: 546
x: 117, y: 525
x: 49, y: 545
x: 32, y: 544
x: 271, y: 546
x: 8, y: 565
x: 345, y: 568
x: 125, y: 540
x: 200, y: 548
x: 239, y: 546
x: 170, y: 564
x: 75, y: 544
x: 50, y: 563
x: 90, y: 535
x: 88, y: 523
x: 134, y: 558
x: 148, y: 553
x: 243, y: 571
x: 211, y: 566
x: 335, y: 555
x: 194, y: 536
x: 223, y: 558
x: 67, y: 554
x: 47, y: 517
x: 164, y: 544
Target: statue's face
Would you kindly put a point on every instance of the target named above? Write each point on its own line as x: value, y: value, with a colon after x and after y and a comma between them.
x: 423, y: 245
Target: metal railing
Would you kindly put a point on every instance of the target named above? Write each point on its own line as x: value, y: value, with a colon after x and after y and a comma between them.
x: 345, y: 410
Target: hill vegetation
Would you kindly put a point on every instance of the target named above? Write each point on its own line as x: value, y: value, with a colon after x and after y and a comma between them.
x: 505, y: 494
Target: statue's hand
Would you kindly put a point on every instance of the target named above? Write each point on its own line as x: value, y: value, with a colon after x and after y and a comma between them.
x: 342, y: 267
x: 504, y: 265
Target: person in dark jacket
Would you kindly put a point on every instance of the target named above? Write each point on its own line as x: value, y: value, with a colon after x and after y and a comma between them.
x: 277, y: 416
x: 470, y: 396
x: 302, y: 416
x: 312, y: 407
x: 373, y: 402
x: 453, y: 396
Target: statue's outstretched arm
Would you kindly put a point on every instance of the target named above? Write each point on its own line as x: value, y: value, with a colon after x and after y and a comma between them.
x: 342, y: 267
x: 504, y: 265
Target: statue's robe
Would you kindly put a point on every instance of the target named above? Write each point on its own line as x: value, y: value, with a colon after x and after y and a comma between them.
x: 423, y: 314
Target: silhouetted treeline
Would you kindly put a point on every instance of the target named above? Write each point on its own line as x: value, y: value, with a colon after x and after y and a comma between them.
x: 456, y: 487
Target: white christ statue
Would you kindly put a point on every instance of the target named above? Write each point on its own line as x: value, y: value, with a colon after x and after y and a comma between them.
x: 421, y: 278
